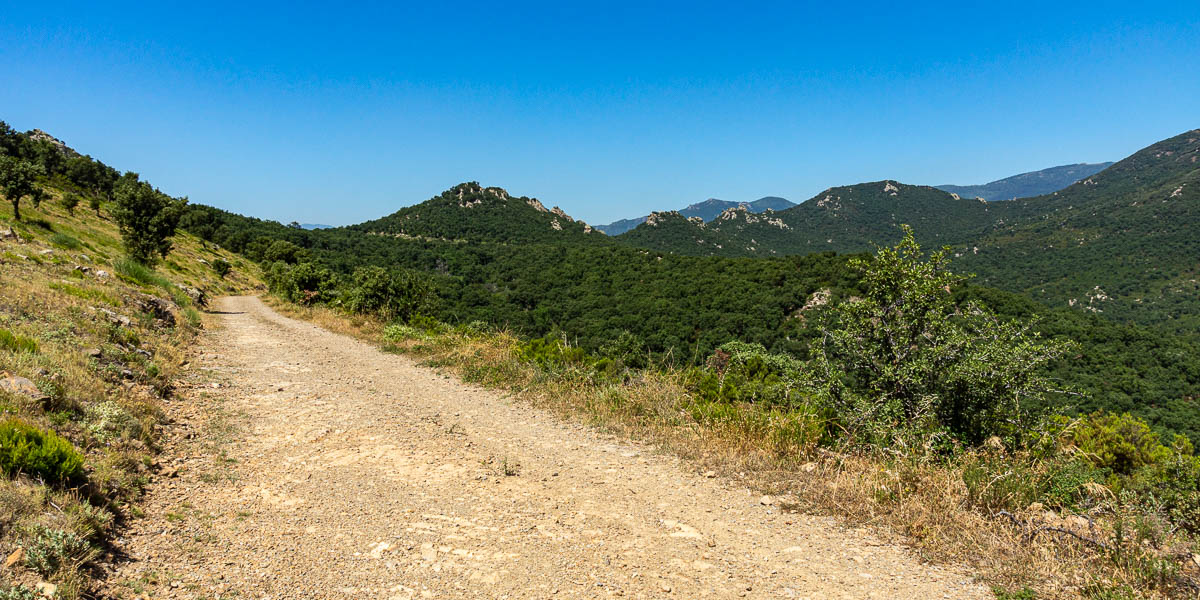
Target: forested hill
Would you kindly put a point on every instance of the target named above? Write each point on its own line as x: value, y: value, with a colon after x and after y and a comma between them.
x: 469, y: 212
x: 674, y: 233
x: 1027, y: 185
x: 705, y: 211
x: 851, y: 218
x: 1121, y: 243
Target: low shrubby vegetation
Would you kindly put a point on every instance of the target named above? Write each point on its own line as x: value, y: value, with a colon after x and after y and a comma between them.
x: 915, y: 411
x: 28, y: 450
x: 392, y: 295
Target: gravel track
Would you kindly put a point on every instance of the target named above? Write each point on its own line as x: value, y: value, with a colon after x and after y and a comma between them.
x: 323, y: 468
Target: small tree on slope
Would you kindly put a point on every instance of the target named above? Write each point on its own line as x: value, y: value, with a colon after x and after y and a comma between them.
x: 147, y: 219
x: 18, y: 178
x: 907, y: 364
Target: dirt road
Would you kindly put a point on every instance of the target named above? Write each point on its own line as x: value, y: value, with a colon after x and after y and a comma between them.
x: 323, y: 468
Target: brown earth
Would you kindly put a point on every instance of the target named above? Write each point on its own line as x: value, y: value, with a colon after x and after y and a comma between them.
x: 312, y: 465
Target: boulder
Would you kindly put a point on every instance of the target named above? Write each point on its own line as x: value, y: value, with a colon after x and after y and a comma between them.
x: 20, y: 385
x: 115, y: 318
x: 162, y: 310
x: 198, y: 296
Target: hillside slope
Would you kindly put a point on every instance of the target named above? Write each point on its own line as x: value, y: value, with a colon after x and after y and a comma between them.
x: 1122, y: 242
x: 1119, y: 242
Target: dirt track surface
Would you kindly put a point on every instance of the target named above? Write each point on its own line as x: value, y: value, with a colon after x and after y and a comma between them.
x: 352, y: 473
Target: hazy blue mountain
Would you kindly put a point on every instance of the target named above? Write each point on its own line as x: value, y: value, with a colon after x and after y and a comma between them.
x: 1028, y: 185
x: 315, y: 226
x: 707, y: 211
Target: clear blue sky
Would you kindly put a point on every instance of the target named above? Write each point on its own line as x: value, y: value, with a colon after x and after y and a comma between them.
x: 339, y: 113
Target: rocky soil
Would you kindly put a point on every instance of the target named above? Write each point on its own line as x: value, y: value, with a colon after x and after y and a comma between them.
x: 312, y: 465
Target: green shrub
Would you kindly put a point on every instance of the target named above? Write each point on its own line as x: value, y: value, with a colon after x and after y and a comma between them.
x: 742, y: 372
x: 392, y: 295
x: 1022, y: 594
x: 907, y: 361
x: 1003, y: 482
x: 400, y: 333
x: 53, y: 549
x: 221, y: 267
x: 552, y: 352
x: 1121, y: 443
x: 473, y: 329
x: 17, y: 343
x: 147, y: 219
x: 628, y: 349
x: 304, y: 283
x: 65, y: 241
x: 27, y: 449
x: 286, y: 252
x: 69, y: 201
x: 1173, y: 485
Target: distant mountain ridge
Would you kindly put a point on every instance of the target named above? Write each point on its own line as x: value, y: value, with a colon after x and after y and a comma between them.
x: 1028, y: 185
x: 706, y: 211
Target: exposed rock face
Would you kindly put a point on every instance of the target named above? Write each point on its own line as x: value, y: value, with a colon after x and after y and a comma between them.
x: 538, y: 205
x: 743, y: 214
x: 38, y: 135
x: 658, y: 217
x: 558, y: 211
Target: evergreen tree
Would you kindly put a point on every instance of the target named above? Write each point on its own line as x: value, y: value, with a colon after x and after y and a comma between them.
x: 147, y: 219
x: 18, y: 178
